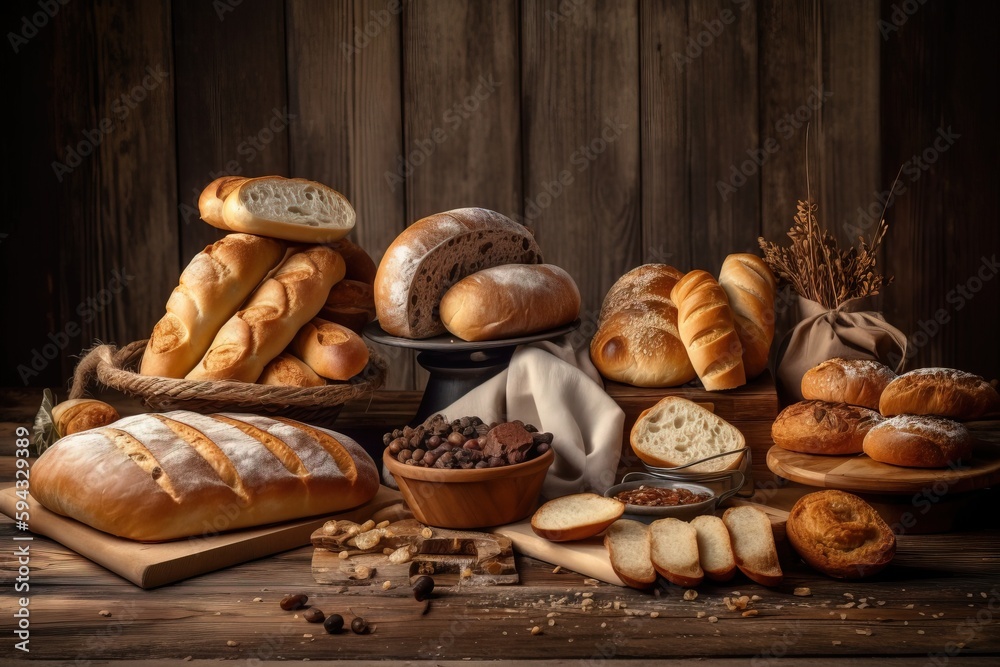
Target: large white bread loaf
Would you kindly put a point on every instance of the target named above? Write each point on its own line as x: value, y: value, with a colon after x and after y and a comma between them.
x: 510, y: 300
x: 705, y: 322
x: 271, y: 317
x: 211, y: 288
x: 179, y: 474
x: 436, y: 252
x: 750, y: 286
x: 293, y: 209
x: 637, y: 341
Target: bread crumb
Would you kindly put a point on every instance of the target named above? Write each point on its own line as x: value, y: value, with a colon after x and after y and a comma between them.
x: 691, y: 594
x: 366, y: 526
x: 426, y: 533
x: 557, y: 569
x: 382, y: 524
x: 104, y: 612
x: 536, y: 630
x: 604, y: 625
x: 552, y: 622
x: 307, y: 636
x: 849, y: 596
x: 863, y: 605
x: 843, y: 617
x: 591, y: 582
x: 232, y: 643
x: 920, y: 632
x: 258, y: 599
x: 754, y: 598
x: 587, y: 603
x: 617, y: 605
x: 803, y: 591
x: 343, y: 555
x: 713, y: 619
x: 467, y: 573
x: 836, y: 642
x: 654, y: 614
x: 880, y: 602
x: 909, y: 606
x: 750, y: 612
x: 846, y: 605
x: 588, y: 595
x: 864, y: 631
x: 386, y: 585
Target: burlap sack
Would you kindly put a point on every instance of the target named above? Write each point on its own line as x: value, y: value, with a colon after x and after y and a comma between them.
x: 852, y: 331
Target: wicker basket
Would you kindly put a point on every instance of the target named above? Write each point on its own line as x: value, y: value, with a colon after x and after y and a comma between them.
x: 115, y: 368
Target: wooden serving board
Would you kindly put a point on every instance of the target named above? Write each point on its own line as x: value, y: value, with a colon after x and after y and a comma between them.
x: 151, y: 565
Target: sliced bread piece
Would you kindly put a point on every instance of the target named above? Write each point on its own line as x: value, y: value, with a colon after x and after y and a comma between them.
x: 292, y: 209
x: 715, y: 549
x: 576, y: 517
x: 673, y: 547
x: 676, y: 431
x: 213, y: 197
x: 753, y: 544
x: 627, y: 542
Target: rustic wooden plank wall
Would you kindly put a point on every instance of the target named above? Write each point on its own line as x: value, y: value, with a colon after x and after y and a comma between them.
x: 621, y: 132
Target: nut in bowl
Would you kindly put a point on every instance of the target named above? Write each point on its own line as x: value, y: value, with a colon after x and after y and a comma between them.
x: 650, y: 499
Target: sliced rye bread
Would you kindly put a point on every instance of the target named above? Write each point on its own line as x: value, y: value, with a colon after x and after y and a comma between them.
x: 715, y: 548
x: 436, y: 252
x: 673, y: 547
x: 676, y: 431
x: 627, y: 542
x: 576, y: 517
x: 753, y: 544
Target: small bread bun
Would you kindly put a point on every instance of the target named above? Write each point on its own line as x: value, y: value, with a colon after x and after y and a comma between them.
x: 818, y: 427
x: 286, y: 370
x: 840, y: 535
x: 855, y: 381
x: 919, y: 441
x: 332, y: 351
x: 944, y: 392
x: 82, y: 414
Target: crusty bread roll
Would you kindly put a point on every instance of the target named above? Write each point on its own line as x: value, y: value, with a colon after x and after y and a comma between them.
x: 287, y: 370
x: 292, y: 209
x: 818, y: 427
x: 750, y: 286
x: 840, y: 534
x: 673, y: 548
x: 271, y: 317
x: 945, y: 392
x: 627, y: 542
x: 705, y: 322
x: 510, y: 300
x: 436, y: 252
x: 637, y: 341
x: 210, y: 290
x: 919, y: 441
x: 351, y: 303
x: 753, y: 544
x: 855, y: 381
x: 333, y: 351
x: 677, y: 431
x: 158, y: 477
x: 360, y: 266
x: 81, y: 414
x: 214, y: 196
x: 575, y: 517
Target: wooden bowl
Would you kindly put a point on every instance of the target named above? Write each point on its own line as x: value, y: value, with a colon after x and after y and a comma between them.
x: 475, y: 498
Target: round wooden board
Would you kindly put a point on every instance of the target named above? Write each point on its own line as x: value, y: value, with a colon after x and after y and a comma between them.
x: 861, y: 474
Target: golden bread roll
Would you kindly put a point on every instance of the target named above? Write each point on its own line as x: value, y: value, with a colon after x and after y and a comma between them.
x: 944, y: 392
x: 919, y: 441
x: 818, y: 427
x: 855, y: 381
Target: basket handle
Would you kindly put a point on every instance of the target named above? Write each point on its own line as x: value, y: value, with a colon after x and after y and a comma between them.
x: 98, y: 356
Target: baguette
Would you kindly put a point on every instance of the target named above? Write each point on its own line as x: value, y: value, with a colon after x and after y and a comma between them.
x: 715, y: 548
x: 292, y: 209
x: 575, y: 517
x: 705, y: 323
x: 332, y: 351
x: 209, y: 292
x: 627, y: 543
x: 157, y: 477
x: 271, y: 317
x: 753, y: 544
x: 510, y: 300
x: 287, y: 370
x: 749, y: 286
x: 673, y: 548
x: 214, y: 196
x: 81, y: 414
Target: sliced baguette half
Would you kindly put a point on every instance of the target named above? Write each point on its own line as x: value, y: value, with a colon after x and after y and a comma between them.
x: 753, y: 544
x: 676, y: 431
x: 214, y: 196
x: 576, y: 517
x: 627, y: 543
x: 292, y: 209
x: 673, y: 547
x: 715, y: 549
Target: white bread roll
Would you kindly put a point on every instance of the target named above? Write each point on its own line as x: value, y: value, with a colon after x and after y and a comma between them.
x: 919, y: 441
x: 510, y: 300
x: 750, y: 286
x: 287, y: 370
x: 158, y: 477
x: 271, y: 317
x: 637, y: 341
x: 332, y: 351
x: 214, y: 196
x: 436, y: 252
x: 293, y: 209
x: 211, y: 288
x: 705, y: 322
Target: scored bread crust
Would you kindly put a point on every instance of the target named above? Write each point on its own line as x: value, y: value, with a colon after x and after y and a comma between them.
x: 287, y: 370
x: 654, y: 436
x: 705, y: 323
x: 433, y: 254
x: 331, y: 350
x: 311, y: 212
x: 919, y: 441
x: 840, y: 534
x: 749, y: 286
x: 855, y: 381
x: 575, y: 517
x: 944, y: 392
x: 179, y: 474
x: 627, y: 542
x: 819, y: 427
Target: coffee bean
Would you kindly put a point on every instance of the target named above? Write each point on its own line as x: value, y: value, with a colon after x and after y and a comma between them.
x: 334, y: 623
x: 293, y: 602
x: 314, y: 615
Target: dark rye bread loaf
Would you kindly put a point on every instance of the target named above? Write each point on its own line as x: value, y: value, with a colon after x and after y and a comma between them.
x: 159, y: 477
x: 436, y: 252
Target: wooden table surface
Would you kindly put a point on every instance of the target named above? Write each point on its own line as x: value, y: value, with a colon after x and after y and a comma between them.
x: 938, y: 604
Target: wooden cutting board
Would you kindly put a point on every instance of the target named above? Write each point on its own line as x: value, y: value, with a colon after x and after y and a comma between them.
x: 152, y: 565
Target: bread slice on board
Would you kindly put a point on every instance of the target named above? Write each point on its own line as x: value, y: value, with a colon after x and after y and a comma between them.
x: 292, y: 209
x: 627, y: 542
x: 715, y: 548
x: 673, y: 547
x: 676, y: 431
x: 753, y: 544
x: 576, y: 517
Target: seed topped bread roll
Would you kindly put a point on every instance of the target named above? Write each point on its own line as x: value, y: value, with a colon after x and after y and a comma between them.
x: 944, y: 392
x: 840, y: 534
x: 818, y: 427
x: 855, y: 381
x: 919, y: 441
